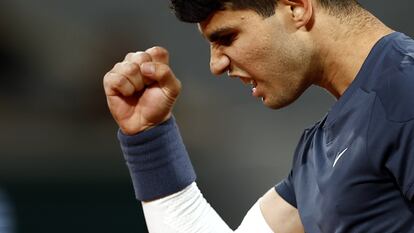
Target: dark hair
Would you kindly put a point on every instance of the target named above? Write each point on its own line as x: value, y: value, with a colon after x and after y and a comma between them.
x: 195, y: 11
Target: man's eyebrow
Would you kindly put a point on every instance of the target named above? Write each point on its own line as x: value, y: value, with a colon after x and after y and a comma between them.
x: 216, y: 34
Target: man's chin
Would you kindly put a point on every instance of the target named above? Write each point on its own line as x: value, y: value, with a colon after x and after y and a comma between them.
x: 277, y: 103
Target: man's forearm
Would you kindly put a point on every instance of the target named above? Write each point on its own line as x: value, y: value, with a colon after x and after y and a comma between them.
x: 188, y: 212
x: 164, y: 180
x: 184, y: 212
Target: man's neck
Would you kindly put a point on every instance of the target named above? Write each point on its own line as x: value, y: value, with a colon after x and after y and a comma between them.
x: 342, y: 53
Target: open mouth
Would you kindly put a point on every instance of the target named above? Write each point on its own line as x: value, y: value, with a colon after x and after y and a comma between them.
x: 253, y: 83
x: 248, y: 81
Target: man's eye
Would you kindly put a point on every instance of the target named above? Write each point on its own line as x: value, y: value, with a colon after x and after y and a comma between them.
x: 226, y: 40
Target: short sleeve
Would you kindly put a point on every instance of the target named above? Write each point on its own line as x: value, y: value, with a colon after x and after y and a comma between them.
x: 391, y: 146
x: 400, y: 162
x: 392, y: 127
x: 285, y: 188
x: 286, y: 191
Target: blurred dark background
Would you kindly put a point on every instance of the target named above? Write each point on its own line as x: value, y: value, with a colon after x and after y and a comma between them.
x: 61, y: 168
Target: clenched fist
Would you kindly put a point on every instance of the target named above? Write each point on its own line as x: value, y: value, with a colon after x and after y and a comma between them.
x: 141, y: 90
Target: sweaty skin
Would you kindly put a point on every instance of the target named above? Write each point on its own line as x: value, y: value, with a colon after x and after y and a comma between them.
x: 141, y: 90
x: 283, y: 55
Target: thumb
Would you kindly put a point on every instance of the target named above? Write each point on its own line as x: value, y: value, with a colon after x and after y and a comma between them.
x: 163, y: 75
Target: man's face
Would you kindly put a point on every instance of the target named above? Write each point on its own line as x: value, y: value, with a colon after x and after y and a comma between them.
x: 264, y: 52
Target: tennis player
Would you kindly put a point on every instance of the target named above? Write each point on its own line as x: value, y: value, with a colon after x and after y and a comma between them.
x: 352, y: 172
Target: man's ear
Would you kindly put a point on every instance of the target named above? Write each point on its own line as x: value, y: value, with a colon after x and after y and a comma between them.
x: 301, y: 12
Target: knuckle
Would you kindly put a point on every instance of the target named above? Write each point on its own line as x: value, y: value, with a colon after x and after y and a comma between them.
x: 159, y: 52
x: 119, y: 81
x: 140, y: 57
x: 128, y: 56
x: 116, y: 66
x: 109, y: 78
x: 105, y: 80
x: 114, y: 81
x: 129, y: 68
x: 164, y: 70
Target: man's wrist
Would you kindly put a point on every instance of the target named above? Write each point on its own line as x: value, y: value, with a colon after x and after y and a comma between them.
x: 157, y: 160
x: 134, y: 131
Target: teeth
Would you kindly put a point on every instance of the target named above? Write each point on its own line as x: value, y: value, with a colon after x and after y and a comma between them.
x: 230, y: 75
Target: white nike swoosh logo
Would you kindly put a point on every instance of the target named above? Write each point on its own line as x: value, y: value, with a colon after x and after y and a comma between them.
x: 339, y: 156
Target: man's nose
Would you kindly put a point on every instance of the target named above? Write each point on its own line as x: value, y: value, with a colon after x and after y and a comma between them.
x: 219, y: 62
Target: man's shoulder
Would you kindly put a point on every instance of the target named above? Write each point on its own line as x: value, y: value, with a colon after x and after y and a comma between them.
x: 395, y: 80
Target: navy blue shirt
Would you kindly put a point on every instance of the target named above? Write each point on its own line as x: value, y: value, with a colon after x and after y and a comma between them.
x: 353, y: 172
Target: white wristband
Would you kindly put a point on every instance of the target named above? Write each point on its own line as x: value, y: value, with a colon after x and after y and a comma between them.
x: 188, y: 212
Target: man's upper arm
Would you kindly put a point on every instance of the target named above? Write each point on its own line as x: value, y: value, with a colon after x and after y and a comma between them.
x: 281, y: 216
